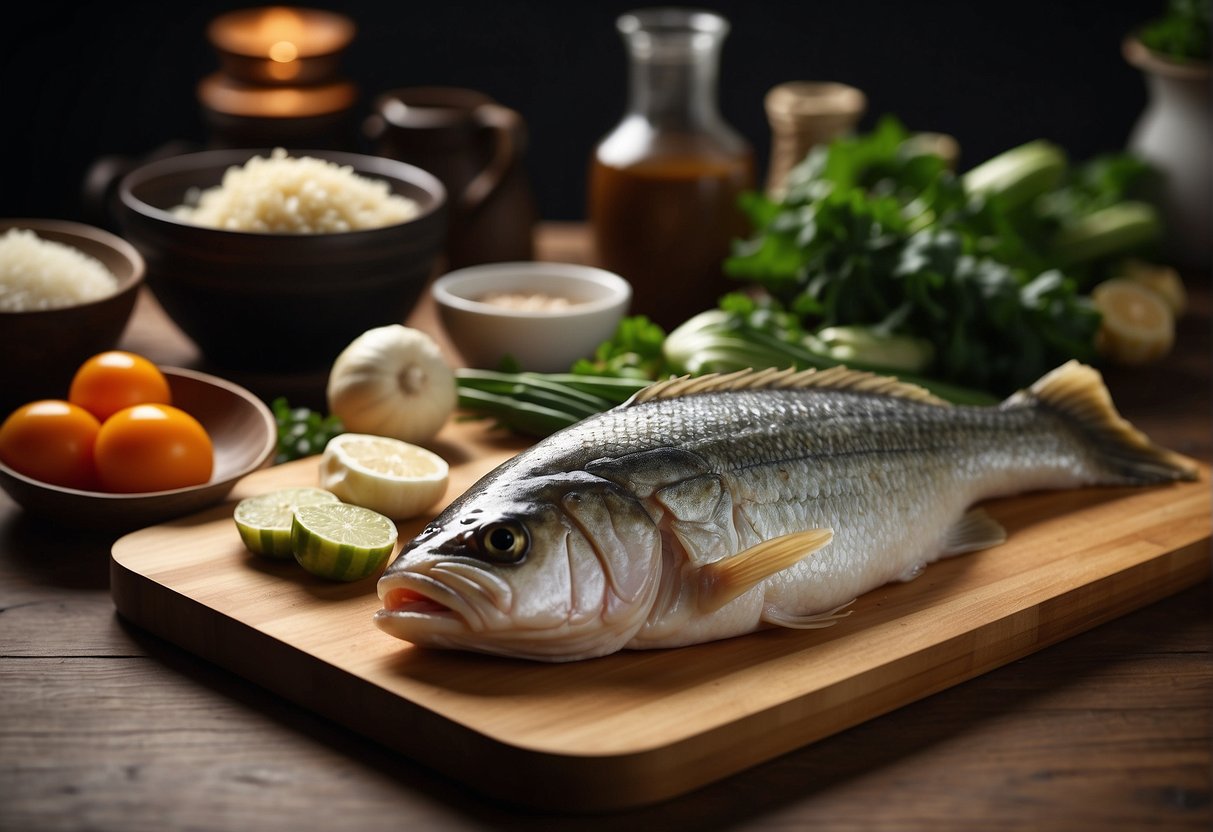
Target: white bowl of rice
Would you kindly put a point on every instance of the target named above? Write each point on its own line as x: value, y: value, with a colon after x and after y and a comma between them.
x: 67, y: 291
x: 273, y: 260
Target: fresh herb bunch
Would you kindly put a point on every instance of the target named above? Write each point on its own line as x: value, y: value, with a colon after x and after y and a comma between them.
x: 875, y: 232
x: 302, y: 432
x: 633, y: 351
x: 1181, y: 33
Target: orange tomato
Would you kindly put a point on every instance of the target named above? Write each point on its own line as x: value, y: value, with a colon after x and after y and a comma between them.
x: 51, y: 441
x: 152, y: 447
x: 111, y: 381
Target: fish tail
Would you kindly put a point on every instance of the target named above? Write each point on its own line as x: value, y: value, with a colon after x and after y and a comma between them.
x: 1077, y: 392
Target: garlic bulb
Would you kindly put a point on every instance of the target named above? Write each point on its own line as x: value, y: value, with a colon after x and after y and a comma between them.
x: 392, y: 381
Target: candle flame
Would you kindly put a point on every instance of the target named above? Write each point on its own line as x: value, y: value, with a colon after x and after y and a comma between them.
x: 281, y: 33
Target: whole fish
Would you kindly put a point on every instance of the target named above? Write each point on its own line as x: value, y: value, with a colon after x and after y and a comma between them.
x: 709, y: 507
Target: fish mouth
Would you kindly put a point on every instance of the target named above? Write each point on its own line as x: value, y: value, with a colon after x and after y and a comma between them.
x: 416, y: 605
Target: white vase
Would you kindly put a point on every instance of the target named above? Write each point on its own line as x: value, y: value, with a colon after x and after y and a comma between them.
x: 1174, y: 134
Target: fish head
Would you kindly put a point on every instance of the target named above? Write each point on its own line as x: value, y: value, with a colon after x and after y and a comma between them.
x: 556, y: 567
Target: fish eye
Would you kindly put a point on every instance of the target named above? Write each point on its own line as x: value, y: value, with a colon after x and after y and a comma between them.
x: 505, y: 542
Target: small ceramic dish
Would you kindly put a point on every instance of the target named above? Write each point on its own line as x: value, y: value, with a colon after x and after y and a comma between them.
x: 544, y: 316
x: 242, y: 430
x: 41, y: 349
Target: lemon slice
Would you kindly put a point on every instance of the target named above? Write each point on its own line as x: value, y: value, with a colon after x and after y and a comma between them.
x: 387, y: 475
x: 1138, y: 326
x: 341, y: 542
x: 264, y: 521
x: 1162, y: 280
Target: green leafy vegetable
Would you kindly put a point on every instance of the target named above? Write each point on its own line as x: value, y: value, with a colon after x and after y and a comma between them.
x: 1182, y: 32
x: 634, y: 351
x: 987, y: 268
x: 302, y: 432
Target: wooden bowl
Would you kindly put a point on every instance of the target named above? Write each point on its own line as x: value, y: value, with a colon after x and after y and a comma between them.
x: 279, y: 303
x: 40, y: 350
x: 242, y: 430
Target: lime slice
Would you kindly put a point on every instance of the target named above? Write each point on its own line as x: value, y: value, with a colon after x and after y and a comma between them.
x: 341, y: 542
x: 264, y: 521
x: 387, y: 475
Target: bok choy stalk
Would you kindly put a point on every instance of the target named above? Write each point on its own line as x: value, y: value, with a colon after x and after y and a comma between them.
x: 744, y: 334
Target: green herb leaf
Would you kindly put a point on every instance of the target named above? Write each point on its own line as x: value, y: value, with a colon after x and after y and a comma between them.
x: 301, y: 432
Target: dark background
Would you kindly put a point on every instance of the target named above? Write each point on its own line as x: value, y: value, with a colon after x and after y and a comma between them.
x: 81, y: 81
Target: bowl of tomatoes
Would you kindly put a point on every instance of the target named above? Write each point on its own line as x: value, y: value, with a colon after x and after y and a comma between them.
x: 132, y: 444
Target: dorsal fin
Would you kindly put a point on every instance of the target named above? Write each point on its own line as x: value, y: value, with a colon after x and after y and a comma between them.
x: 834, y: 378
x: 1077, y: 392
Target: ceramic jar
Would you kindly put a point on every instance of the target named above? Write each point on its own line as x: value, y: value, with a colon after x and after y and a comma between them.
x: 1175, y: 134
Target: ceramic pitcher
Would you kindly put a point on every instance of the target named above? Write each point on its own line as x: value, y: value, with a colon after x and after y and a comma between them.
x: 475, y: 147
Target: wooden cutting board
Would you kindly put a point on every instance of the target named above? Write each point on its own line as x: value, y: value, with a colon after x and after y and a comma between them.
x: 638, y: 727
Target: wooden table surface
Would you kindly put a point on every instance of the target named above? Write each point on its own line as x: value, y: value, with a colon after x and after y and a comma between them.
x: 104, y: 727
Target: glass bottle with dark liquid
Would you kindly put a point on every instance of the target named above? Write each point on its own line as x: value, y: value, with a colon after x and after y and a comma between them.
x: 664, y: 184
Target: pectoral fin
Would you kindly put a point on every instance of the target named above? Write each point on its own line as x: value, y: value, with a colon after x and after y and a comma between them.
x: 726, y: 579
x: 975, y: 530
x: 812, y: 621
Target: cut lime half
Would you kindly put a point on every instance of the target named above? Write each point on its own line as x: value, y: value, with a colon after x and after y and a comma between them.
x: 264, y: 521
x: 341, y: 542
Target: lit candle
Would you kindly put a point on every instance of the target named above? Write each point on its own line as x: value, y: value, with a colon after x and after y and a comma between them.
x: 280, y: 44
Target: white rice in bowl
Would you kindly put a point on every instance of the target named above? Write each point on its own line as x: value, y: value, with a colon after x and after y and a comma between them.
x: 281, y: 194
x: 38, y: 274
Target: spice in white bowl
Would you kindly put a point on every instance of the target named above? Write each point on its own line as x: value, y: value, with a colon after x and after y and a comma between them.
x: 528, y: 301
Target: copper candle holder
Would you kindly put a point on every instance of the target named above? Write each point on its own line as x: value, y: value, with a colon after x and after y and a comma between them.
x: 278, y: 81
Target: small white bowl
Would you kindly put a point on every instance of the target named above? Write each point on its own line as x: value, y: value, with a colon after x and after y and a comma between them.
x: 544, y: 341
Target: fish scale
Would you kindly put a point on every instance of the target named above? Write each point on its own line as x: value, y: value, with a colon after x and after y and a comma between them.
x: 707, y: 509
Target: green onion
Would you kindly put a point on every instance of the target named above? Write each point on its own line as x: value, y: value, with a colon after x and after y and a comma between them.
x: 537, y: 404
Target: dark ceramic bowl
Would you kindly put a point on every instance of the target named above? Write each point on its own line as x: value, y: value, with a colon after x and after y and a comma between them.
x: 41, y: 350
x: 279, y: 303
x: 243, y: 433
